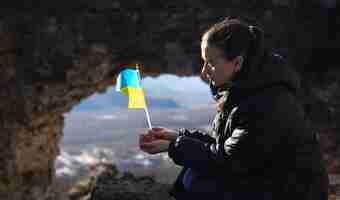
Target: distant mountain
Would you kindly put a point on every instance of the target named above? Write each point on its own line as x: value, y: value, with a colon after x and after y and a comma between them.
x: 166, y: 91
x: 111, y: 99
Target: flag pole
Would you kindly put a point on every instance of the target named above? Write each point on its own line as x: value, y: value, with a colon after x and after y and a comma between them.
x: 145, y: 108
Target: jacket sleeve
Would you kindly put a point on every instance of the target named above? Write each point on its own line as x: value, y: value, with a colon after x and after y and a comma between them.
x: 196, y: 134
x: 254, y: 137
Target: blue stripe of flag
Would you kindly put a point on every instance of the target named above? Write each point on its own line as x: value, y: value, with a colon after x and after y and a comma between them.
x: 127, y: 78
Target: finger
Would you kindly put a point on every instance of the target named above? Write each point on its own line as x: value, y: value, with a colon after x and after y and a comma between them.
x: 155, y: 135
x: 145, y: 144
x: 146, y: 149
x: 152, y: 132
x: 159, y: 135
x: 142, y: 131
x: 157, y: 128
x: 148, y: 145
x: 145, y: 138
x: 141, y: 138
x: 149, y: 151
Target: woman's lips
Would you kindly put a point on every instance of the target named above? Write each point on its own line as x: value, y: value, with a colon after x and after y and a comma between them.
x: 208, y: 77
x: 211, y: 81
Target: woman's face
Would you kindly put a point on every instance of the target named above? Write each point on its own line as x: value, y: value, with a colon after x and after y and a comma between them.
x: 216, y: 67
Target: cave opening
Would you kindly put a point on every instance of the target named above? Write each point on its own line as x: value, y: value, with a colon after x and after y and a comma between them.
x: 102, y: 130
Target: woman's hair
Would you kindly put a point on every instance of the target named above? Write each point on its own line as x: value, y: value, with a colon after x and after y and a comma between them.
x: 235, y: 37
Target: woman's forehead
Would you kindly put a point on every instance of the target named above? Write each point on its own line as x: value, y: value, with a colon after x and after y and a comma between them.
x: 204, y: 45
x: 210, y: 52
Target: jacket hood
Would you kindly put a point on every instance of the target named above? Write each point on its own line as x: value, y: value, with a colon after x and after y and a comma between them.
x: 267, y: 70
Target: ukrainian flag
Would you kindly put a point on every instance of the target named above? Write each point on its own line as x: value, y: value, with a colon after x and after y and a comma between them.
x: 128, y: 84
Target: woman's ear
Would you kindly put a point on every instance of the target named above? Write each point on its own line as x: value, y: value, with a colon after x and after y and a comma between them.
x: 238, y: 63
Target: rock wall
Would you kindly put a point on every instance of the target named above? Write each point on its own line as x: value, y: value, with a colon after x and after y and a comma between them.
x: 53, y: 54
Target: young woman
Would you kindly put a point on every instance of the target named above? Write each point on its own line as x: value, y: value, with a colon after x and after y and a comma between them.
x: 260, y: 146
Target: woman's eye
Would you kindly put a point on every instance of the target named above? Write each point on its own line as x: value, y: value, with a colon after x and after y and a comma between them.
x: 210, y: 64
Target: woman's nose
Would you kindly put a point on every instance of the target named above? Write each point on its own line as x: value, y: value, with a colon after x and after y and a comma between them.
x: 205, y: 73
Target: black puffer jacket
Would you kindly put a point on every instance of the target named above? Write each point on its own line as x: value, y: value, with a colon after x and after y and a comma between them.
x: 259, y: 142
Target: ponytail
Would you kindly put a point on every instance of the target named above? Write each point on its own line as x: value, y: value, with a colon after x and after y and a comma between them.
x: 256, y: 47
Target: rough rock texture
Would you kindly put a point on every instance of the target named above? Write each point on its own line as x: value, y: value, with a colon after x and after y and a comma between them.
x: 53, y: 54
x: 109, y: 184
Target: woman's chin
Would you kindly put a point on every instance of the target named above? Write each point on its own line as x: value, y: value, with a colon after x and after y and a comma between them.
x: 216, y: 84
x: 219, y: 84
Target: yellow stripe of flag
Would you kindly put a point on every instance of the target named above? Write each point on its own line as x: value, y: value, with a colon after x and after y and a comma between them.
x: 135, y: 97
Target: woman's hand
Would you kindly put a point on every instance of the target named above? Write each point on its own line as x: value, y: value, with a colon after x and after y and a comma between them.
x: 156, y: 140
x: 152, y: 145
x: 163, y: 133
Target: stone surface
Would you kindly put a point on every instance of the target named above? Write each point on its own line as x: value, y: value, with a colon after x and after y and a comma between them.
x: 108, y: 185
x: 53, y: 54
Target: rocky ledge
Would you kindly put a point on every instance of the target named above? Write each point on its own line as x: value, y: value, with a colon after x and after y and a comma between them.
x: 107, y: 183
